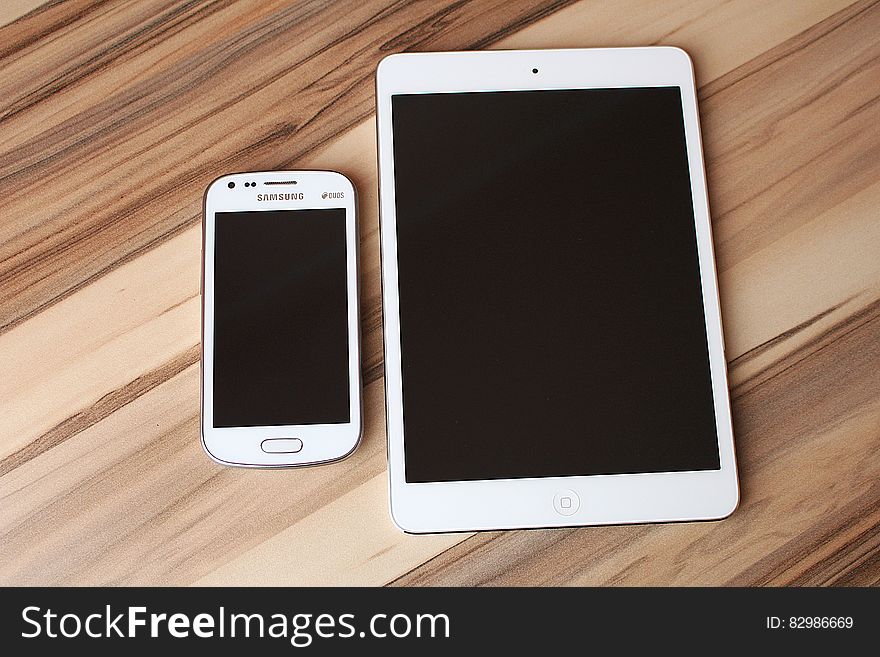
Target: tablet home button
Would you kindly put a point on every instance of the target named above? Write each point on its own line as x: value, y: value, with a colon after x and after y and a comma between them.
x: 281, y: 445
x: 566, y: 502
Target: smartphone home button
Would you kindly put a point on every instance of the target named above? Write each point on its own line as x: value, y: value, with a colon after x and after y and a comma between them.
x: 566, y: 502
x: 281, y: 445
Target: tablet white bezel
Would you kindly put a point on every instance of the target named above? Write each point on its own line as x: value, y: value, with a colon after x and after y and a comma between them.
x: 524, y: 503
x: 321, y: 443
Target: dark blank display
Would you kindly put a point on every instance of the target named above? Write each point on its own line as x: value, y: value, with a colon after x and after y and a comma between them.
x: 550, y: 303
x: 280, y: 318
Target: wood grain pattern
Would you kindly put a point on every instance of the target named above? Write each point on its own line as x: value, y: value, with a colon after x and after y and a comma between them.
x: 114, y: 117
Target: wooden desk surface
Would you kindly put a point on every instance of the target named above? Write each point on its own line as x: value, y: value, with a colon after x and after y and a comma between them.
x: 114, y: 116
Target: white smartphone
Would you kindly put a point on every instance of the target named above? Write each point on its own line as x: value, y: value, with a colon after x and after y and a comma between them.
x: 281, y: 383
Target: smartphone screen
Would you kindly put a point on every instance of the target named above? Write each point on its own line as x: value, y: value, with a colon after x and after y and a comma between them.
x: 551, y: 310
x: 280, y: 318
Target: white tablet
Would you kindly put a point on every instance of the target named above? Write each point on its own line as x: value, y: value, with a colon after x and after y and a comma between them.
x: 553, y: 344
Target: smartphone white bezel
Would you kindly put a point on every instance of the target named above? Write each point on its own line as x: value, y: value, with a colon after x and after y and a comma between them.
x: 534, y: 502
x: 321, y: 443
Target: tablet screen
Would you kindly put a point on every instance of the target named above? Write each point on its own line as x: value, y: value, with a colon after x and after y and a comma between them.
x: 551, y: 314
